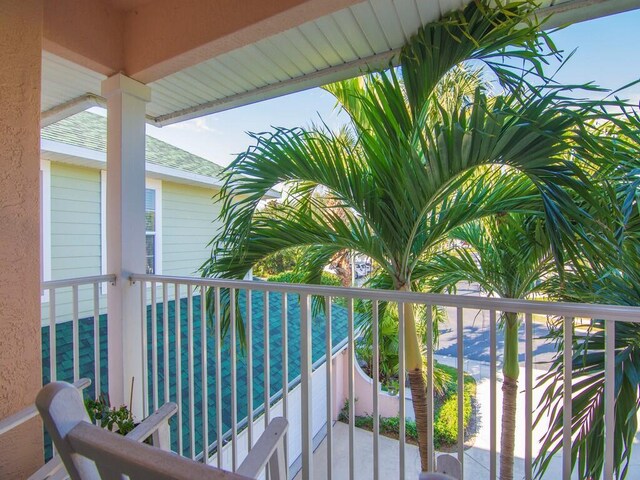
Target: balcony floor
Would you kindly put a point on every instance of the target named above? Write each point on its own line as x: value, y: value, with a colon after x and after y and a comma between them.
x: 477, y: 457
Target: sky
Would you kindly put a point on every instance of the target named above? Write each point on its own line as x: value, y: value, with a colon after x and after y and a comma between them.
x: 606, y: 53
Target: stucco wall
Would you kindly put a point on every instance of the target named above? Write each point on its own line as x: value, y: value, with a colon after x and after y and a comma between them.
x: 20, y: 51
x: 388, y: 405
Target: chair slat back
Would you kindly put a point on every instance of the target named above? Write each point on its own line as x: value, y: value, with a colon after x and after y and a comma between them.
x: 61, y: 408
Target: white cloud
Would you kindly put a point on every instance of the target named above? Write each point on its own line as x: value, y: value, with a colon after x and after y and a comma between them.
x: 197, y: 125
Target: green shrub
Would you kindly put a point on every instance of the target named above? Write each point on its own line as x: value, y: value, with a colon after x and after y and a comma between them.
x: 291, y: 276
x: 445, y: 426
x: 278, y: 262
x: 285, y: 277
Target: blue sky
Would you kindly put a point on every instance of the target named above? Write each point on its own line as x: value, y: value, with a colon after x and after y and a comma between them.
x: 607, y: 53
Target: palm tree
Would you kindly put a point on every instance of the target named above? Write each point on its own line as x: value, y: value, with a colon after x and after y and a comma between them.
x: 608, y: 273
x: 416, y: 171
x: 509, y: 256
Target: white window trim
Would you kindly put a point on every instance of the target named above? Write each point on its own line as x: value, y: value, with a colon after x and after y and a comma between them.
x: 151, y: 184
x: 103, y: 228
x: 154, y: 184
x: 45, y: 230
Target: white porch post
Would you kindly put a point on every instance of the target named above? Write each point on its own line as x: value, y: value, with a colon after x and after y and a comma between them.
x: 126, y: 99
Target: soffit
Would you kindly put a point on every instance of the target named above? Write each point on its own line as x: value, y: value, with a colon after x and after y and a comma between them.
x: 333, y: 47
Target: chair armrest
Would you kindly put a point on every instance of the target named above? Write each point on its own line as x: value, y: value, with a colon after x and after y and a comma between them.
x: 269, y: 449
x: 18, y: 418
x: 155, y: 424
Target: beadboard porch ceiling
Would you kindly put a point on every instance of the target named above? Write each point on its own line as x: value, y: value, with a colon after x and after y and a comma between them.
x: 339, y: 45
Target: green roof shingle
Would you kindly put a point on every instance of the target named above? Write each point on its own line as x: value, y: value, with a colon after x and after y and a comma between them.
x: 89, y: 130
x: 64, y: 357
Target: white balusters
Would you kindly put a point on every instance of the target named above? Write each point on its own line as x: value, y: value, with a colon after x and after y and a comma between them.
x: 493, y: 399
x: 190, y: 355
x: 609, y: 398
x: 96, y: 339
x: 402, y: 375
x: 460, y: 363
x: 566, y: 399
x: 218, y: 355
x: 329, y: 386
x: 305, y: 373
x: 204, y: 379
x: 352, y: 395
x: 76, y: 333
x: 528, y: 401
x: 178, y: 344
x: 249, y: 338
x: 266, y: 361
x: 234, y: 387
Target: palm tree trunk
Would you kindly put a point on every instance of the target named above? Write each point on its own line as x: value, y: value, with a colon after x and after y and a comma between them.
x: 511, y: 371
x: 419, y: 401
x: 417, y: 383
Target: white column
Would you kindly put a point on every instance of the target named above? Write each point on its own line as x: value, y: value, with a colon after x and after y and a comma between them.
x: 126, y: 99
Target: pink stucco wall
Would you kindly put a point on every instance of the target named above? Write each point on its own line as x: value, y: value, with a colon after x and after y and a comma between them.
x: 20, y: 357
x: 388, y: 405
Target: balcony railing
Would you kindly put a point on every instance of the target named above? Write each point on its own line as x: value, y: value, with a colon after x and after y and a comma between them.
x: 228, y: 389
x: 70, y: 307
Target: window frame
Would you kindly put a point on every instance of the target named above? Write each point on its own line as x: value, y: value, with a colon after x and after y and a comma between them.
x: 156, y: 186
x: 45, y: 226
x: 151, y: 184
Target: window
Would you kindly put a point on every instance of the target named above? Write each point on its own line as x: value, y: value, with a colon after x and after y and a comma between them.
x: 150, y: 222
x: 45, y: 225
x: 153, y: 225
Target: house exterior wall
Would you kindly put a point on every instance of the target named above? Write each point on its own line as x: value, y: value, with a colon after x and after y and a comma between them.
x: 20, y: 350
x: 77, y: 238
x: 75, y: 221
x: 187, y: 228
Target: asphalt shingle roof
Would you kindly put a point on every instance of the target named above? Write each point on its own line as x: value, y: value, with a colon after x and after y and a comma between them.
x: 88, y: 130
x: 64, y: 343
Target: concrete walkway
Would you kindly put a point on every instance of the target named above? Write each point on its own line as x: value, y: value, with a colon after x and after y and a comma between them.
x: 476, y: 459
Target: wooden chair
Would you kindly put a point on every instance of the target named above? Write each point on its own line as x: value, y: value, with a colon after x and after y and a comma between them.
x: 90, y: 452
x: 53, y: 469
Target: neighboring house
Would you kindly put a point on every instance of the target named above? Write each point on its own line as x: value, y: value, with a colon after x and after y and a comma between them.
x: 180, y: 212
x: 180, y: 221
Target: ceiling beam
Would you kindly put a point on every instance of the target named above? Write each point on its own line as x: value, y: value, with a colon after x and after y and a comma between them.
x: 86, y: 32
x: 165, y: 36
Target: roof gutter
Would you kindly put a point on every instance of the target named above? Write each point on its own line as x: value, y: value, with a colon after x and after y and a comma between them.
x: 73, y: 106
x: 576, y: 11
x: 77, y: 105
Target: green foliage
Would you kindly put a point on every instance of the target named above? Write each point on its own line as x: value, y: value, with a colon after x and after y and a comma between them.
x: 291, y: 276
x: 417, y: 165
x: 445, y: 426
x: 278, y: 263
x: 115, y: 419
x: 609, y: 273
